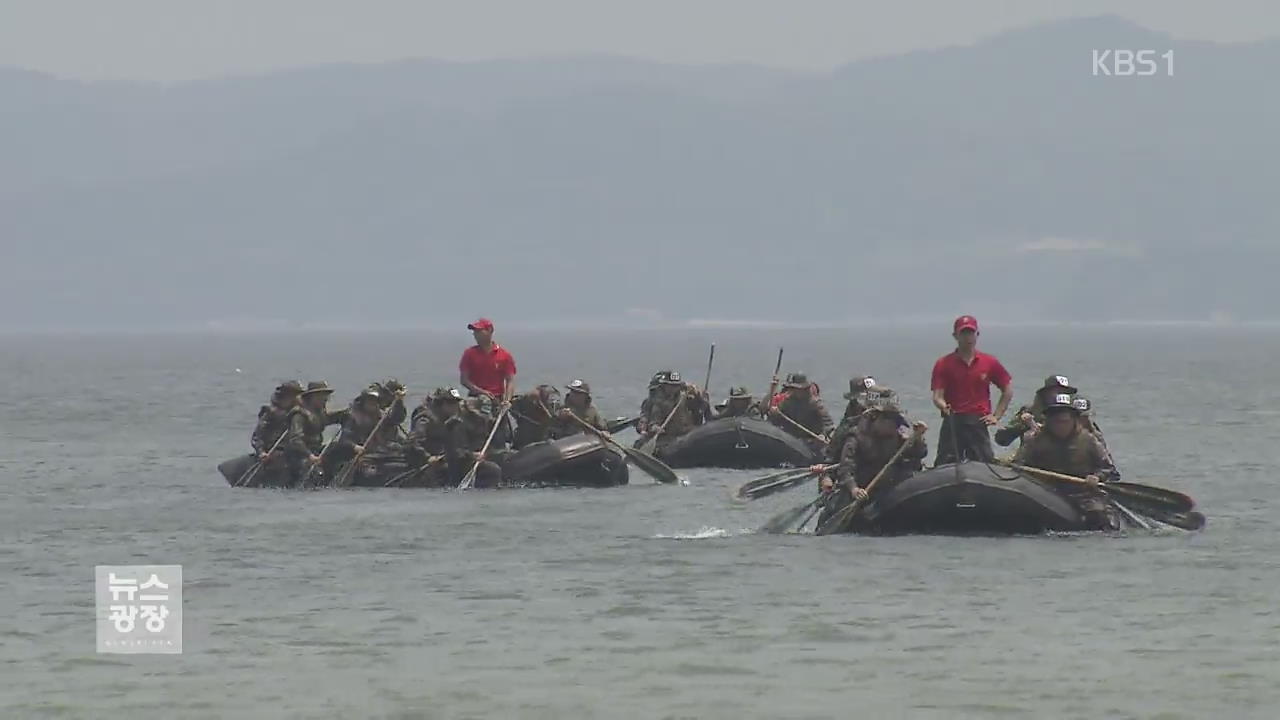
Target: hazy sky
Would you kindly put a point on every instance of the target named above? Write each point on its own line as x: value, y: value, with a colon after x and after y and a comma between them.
x: 171, y: 40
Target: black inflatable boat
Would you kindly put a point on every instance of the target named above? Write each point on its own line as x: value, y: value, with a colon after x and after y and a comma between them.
x: 575, y: 461
x: 741, y: 442
x: 974, y: 499
x: 236, y: 467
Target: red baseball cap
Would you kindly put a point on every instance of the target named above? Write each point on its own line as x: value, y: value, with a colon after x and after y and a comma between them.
x: 481, y: 324
x: 965, y: 322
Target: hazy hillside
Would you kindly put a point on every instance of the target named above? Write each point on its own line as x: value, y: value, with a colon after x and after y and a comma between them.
x: 1003, y: 178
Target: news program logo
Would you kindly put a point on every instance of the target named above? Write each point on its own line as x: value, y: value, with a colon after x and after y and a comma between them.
x: 1127, y: 63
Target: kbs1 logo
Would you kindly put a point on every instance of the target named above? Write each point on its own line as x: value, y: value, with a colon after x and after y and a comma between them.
x: 1124, y: 63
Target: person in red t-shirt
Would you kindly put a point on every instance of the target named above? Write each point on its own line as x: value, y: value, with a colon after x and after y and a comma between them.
x: 961, y: 386
x: 486, y: 368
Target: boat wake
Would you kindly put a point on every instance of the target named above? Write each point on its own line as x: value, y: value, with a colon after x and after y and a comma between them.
x: 704, y: 533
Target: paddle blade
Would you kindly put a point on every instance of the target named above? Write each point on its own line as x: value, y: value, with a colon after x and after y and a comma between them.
x: 1192, y: 520
x: 769, y: 485
x: 345, y: 475
x: 657, y: 469
x: 1149, y: 495
x: 784, y: 520
x: 841, y: 522
x: 621, y: 424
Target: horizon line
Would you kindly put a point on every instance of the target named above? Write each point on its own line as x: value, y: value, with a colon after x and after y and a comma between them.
x: 798, y: 70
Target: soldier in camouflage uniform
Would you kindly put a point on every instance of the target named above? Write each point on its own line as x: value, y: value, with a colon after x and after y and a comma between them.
x: 699, y: 403
x: 533, y: 421
x: 357, y: 436
x: 428, y: 434
x: 448, y: 443
x: 1061, y: 446
x: 1031, y: 417
x: 804, y: 409
x: 307, y: 422
x: 391, y: 400
x: 272, y: 426
x: 578, y: 403
x: 865, y: 452
x: 862, y: 390
x: 740, y: 404
x: 668, y: 398
x: 1085, y: 408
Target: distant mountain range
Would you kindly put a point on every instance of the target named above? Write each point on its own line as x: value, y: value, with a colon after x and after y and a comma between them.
x: 1003, y: 178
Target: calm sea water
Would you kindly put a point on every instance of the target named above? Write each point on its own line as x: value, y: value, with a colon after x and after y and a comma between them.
x: 644, y: 601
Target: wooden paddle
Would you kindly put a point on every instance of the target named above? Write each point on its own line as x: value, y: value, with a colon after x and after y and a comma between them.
x: 252, y: 472
x: 654, y: 467
x: 345, y: 476
x: 469, y: 480
x: 1168, y: 500
x: 783, y: 520
x: 622, y: 423
x: 767, y: 402
x: 1133, y: 517
x: 706, y: 386
x: 398, y: 480
x: 651, y: 442
x: 777, y: 482
x: 804, y: 429
x: 324, y: 451
x: 836, y: 523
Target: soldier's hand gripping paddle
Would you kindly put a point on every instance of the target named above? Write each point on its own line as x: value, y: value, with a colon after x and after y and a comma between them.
x: 347, y: 474
x: 252, y: 472
x: 817, y: 438
x: 651, y: 442
x: 469, y: 480
x: 841, y: 520
x: 1139, y: 496
x: 324, y: 452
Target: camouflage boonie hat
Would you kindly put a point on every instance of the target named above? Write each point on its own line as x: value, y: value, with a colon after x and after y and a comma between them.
x: 289, y: 387
x: 862, y: 385
x: 796, y: 380
x: 579, y: 386
x: 317, y: 386
x: 449, y: 394
x: 393, y: 386
x: 883, y: 400
x: 739, y: 393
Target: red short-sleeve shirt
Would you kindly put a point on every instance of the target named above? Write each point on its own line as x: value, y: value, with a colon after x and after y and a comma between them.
x: 967, y: 386
x: 488, y: 370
